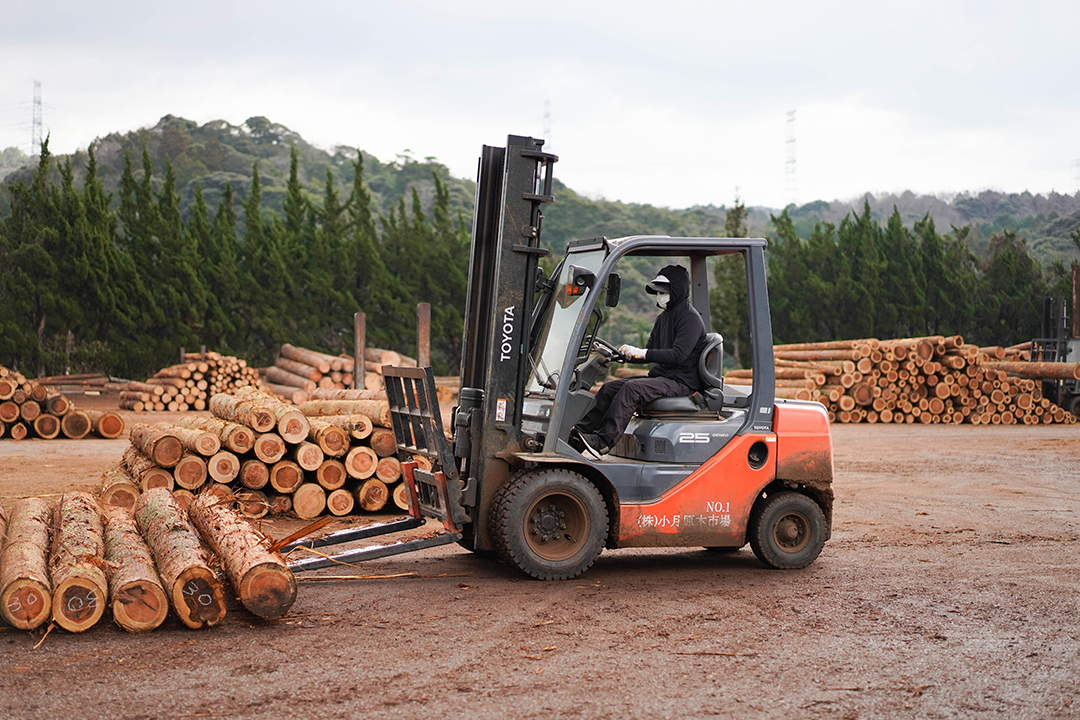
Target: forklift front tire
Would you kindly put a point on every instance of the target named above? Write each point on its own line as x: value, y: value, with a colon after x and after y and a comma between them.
x: 787, y: 531
x: 550, y: 524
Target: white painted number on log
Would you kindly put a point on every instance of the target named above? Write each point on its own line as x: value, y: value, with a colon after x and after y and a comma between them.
x: 192, y: 591
x: 76, y: 603
x: 15, y: 604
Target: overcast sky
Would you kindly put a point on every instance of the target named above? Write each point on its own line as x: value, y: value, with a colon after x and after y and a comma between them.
x: 676, y: 103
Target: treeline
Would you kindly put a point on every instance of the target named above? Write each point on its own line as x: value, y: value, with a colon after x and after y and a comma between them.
x: 862, y: 278
x: 88, y: 288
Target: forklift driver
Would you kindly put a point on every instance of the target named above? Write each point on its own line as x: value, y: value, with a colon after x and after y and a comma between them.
x: 674, y: 346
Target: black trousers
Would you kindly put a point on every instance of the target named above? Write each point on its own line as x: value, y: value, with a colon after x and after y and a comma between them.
x: 617, y: 400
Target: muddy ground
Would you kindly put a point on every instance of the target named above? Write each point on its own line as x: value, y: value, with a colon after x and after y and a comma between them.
x: 949, y: 589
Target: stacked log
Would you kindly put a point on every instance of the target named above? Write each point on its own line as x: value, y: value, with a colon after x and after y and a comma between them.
x: 72, y: 561
x: 266, y: 456
x: 188, y: 385
x: 29, y: 408
x: 25, y: 586
x: 182, y: 562
x: 138, y: 601
x: 80, y: 588
x: 932, y: 379
x: 260, y: 578
x: 298, y: 373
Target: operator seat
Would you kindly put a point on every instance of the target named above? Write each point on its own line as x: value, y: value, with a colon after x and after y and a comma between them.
x: 710, y: 398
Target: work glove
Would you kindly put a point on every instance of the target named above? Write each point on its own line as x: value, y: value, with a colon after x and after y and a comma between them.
x: 633, y: 354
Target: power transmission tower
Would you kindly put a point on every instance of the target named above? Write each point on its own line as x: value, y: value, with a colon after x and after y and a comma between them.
x: 35, y: 126
x: 791, y: 183
x: 547, y: 125
x: 1076, y: 176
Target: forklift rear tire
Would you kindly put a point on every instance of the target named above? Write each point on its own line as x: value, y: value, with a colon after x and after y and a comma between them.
x: 550, y: 524
x: 787, y: 531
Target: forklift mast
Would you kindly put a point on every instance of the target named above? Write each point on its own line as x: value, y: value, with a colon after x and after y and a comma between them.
x: 513, y: 183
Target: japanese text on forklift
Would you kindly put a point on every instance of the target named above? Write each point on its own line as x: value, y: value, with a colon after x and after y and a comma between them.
x: 719, y: 469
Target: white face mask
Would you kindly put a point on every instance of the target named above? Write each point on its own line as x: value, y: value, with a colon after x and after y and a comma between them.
x: 662, y: 300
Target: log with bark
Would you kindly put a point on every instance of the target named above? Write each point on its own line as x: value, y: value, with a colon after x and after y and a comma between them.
x: 309, y: 501
x: 77, y: 562
x: 235, y: 437
x: 246, y: 412
x: 190, y: 473
x: 279, y: 504
x: 358, y: 426
x: 203, y: 442
x: 136, y: 595
x: 181, y: 560
x: 223, y: 466
x: 262, y: 581
x: 145, y: 470
x: 290, y: 422
x: 340, y: 502
x: 388, y: 470
x: 75, y: 425
x: 46, y: 426
x: 108, y: 425
x: 332, y: 474
x: 254, y: 474
x: 372, y: 495
x: 400, y: 495
x: 377, y: 410
x: 361, y: 462
x: 118, y: 488
x: 382, y: 441
x: 286, y: 476
x: 157, y: 443
x: 269, y: 447
x: 25, y: 587
x: 331, y: 438
x: 252, y: 504
x: 307, y: 455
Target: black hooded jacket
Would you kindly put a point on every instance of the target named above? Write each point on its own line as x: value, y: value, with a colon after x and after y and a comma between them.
x: 678, y: 335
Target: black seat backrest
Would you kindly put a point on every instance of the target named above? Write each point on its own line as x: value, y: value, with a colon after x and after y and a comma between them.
x: 711, y: 363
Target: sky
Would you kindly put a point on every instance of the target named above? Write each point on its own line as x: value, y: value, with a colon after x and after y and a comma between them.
x: 675, y: 104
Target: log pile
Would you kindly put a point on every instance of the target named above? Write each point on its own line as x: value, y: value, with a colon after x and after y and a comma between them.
x: 188, y: 385
x: 32, y: 409
x: 333, y: 454
x: 298, y: 372
x: 915, y: 380
x: 73, y: 560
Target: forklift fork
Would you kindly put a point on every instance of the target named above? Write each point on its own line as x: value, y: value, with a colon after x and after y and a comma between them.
x: 414, y: 413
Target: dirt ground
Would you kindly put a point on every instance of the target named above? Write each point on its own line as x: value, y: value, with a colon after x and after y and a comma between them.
x: 949, y: 589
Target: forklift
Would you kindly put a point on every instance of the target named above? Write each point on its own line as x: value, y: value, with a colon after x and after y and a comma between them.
x: 722, y: 468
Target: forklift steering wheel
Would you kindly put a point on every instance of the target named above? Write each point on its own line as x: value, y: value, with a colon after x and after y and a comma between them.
x: 608, y: 349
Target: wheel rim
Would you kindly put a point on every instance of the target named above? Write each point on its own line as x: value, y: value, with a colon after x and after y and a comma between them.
x: 791, y: 533
x: 555, y: 526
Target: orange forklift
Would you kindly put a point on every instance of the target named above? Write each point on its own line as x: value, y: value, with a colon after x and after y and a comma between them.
x: 722, y: 468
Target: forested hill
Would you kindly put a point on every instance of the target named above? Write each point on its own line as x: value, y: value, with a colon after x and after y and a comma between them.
x: 217, y: 153
x: 242, y: 238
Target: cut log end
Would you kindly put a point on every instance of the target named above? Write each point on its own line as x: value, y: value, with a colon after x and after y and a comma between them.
x: 79, y: 603
x: 198, y: 598
x: 340, y: 502
x: 268, y: 590
x: 26, y: 603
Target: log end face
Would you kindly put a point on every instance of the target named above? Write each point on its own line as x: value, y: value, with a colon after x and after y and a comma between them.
x: 79, y: 603
x: 121, y: 495
x: 26, y: 604
x: 268, y: 590
x: 140, y: 606
x: 110, y: 426
x: 198, y: 598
